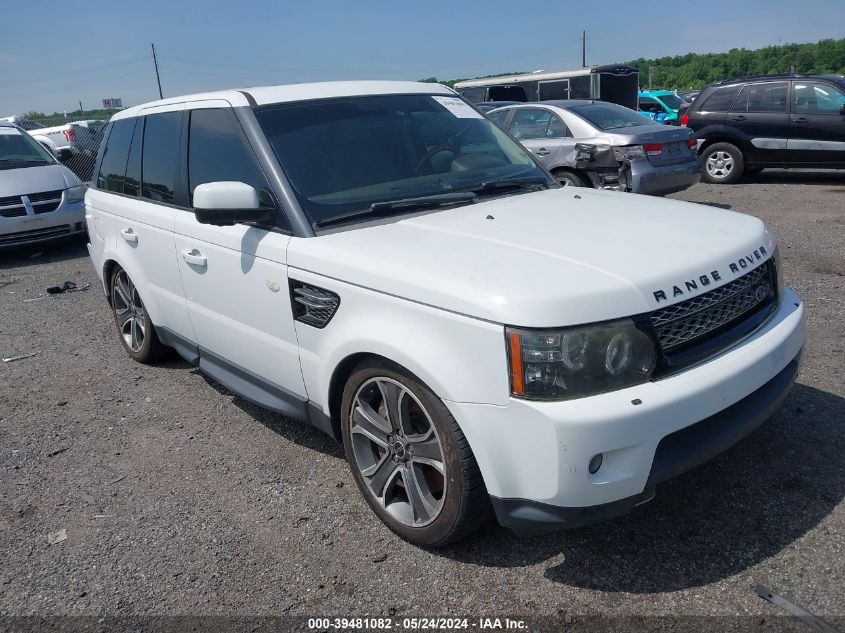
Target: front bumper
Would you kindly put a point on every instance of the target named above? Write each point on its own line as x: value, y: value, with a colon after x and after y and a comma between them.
x: 67, y: 219
x: 677, y: 453
x: 663, y: 179
x: 534, y: 456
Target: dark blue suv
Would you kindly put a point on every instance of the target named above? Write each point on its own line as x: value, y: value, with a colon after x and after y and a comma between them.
x: 746, y: 125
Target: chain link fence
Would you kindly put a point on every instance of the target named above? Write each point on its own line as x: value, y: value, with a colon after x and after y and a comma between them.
x: 73, y: 141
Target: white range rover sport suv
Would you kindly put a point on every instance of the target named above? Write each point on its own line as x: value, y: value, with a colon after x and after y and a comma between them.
x: 380, y: 260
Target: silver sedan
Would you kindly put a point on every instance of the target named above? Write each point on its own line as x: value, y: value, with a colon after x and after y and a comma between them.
x: 603, y: 145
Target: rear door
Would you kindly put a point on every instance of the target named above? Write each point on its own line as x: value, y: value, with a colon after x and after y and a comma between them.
x: 760, y: 118
x: 540, y: 131
x: 817, y: 126
x: 137, y: 230
x: 235, y: 277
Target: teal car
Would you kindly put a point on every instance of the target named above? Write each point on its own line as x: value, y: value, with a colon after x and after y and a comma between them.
x: 660, y: 105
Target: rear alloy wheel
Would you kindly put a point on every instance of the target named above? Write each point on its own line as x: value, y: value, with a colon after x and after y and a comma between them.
x: 723, y: 164
x: 137, y: 333
x: 409, y: 458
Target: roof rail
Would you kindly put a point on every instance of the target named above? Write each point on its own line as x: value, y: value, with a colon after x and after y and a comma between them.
x: 751, y: 77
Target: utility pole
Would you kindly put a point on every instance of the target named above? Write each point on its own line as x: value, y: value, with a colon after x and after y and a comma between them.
x: 158, y: 79
x: 80, y: 108
x: 583, y: 49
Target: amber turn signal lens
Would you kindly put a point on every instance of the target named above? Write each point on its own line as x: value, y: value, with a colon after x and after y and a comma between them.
x: 517, y: 374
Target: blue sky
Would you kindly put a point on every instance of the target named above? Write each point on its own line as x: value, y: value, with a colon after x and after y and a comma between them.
x: 102, y: 49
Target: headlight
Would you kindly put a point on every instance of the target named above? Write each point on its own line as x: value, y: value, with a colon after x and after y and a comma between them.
x: 75, y: 194
x: 579, y: 361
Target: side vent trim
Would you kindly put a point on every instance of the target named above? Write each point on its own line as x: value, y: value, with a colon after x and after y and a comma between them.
x: 312, y: 305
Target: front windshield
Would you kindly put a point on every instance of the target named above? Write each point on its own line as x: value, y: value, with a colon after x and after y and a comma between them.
x: 672, y: 101
x: 342, y: 155
x: 18, y: 149
x: 609, y: 116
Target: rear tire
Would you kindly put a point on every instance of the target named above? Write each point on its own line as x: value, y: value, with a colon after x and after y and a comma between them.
x: 571, y: 179
x: 416, y: 470
x: 722, y: 164
x: 134, y: 327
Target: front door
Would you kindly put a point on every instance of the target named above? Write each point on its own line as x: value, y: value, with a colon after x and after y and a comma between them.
x: 540, y: 131
x: 817, y: 126
x: 760, y: 117
x: 235, y: 277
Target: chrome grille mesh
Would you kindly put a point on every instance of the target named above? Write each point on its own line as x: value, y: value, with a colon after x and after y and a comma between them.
x: 689, y: 320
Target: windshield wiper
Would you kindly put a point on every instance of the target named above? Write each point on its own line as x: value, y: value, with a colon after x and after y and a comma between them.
x: 512, y: 183
x: 378, y: 209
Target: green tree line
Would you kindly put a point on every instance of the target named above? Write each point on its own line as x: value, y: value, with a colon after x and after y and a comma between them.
x: 695, y: 70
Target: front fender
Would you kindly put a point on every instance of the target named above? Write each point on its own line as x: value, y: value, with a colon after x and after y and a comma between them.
x: 459, y: 358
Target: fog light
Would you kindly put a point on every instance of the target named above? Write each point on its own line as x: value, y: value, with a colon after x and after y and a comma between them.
x: 595, y: 463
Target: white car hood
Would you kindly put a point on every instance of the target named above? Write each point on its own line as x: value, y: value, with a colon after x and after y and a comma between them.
x: 545, y: 259
x: 26, y: 180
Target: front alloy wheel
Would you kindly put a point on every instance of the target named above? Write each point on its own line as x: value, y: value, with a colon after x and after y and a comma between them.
x: 409, y: 458
x: 397, y: 451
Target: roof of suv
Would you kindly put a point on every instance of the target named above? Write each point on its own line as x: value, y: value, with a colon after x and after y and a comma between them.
x: 756, y: 78
x: 262, y: 95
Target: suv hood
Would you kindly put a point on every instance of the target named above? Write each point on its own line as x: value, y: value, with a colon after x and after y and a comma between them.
x: 550, y: 258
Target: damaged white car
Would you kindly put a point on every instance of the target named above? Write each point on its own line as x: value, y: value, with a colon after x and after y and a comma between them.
x: 603, y: 145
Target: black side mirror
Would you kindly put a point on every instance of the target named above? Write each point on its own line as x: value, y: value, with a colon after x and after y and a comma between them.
x: 842, y: 109
x: 230, y: 217
x: 64, y: 155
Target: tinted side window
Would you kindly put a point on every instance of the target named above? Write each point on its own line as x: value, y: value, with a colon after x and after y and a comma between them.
x: 817, y: 98
x: 647, y: 104
x: 113, y: 166
x: 765, y: 97
x: 528, y: 123
x: 499, y: 118
x: 217, y: 150
x: 719, y: 100
x: 557, y: 128
x: 132, y: 184
x: 162, y: 150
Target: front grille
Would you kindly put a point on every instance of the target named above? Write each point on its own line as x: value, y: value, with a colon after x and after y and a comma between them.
x: 45, y: 201
x: 689, y: 320
x: 12, y: 207
x: 42, y: 202
x: 694, y: 330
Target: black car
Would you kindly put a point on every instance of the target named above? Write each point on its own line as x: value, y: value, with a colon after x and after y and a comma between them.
x: 746, y: 125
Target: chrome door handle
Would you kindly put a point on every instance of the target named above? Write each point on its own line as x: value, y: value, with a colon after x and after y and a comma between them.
x: 194, y: 257
x: 129, y: 235
x: 543, y: 152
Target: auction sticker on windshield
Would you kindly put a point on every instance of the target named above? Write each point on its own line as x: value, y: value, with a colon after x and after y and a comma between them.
x: 8, y: 131
x: 458, y: 108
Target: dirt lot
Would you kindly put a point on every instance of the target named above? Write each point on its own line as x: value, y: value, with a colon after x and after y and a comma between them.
x: 178, y: 498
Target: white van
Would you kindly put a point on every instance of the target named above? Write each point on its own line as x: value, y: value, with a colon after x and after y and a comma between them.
x: 380, y: 260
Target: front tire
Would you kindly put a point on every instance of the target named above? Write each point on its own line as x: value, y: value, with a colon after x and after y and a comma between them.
x: 409, y: 458
x: 137, y: 333
x: 722, y: 164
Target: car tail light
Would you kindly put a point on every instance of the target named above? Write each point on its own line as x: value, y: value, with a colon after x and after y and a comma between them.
x: 70, y: 135
x: 692, y: 143
x: 684, y: 119
x: 653, y: 149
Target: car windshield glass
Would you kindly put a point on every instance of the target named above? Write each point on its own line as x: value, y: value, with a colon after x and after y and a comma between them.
x: 346, y: 154
x: 609, y: 116
x: 18, y: 149
x: 672, y: 101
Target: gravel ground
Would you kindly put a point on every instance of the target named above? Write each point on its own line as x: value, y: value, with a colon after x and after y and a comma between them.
x: 179, y: 498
